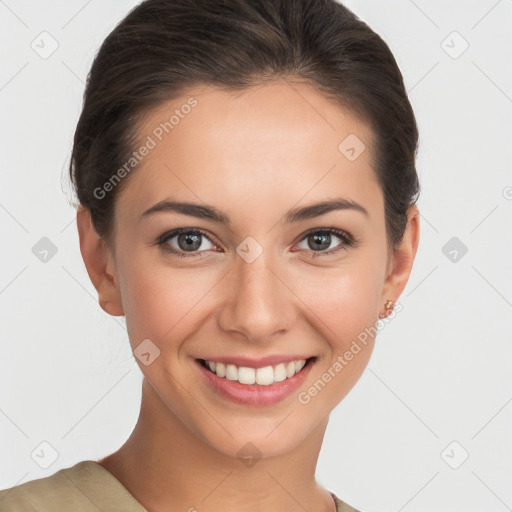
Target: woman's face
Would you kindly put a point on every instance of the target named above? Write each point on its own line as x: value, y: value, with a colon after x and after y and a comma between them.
x: 259, y: 289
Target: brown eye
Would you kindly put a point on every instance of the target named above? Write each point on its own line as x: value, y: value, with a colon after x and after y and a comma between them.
x: 320, y: 240
x: 189, y: 241
x: 184, y: 240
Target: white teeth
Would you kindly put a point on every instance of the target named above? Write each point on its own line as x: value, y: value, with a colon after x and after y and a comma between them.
x: 220, y: 370
x: 246, y: 375
x: 279, y: 372
x: 263, y: 376
x: 231, y: 372
x: 299, y: 365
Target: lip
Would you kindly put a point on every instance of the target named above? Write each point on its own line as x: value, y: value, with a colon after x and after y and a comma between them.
x: 255, y: 394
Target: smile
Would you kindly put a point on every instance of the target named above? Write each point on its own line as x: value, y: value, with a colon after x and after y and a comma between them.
x: 264, y: 376
x: 259, y: 383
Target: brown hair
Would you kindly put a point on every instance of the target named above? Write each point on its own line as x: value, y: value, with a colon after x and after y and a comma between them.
x: 162, y: 47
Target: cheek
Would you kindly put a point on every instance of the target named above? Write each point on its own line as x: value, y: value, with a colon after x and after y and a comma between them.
x: 159, y: 302
x: 344, y: 301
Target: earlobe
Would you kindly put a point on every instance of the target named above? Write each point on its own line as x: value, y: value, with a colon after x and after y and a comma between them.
x: 96, y: 256
x: 403, y: 258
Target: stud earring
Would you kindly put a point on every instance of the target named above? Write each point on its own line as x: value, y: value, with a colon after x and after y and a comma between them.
x: 390, y: 304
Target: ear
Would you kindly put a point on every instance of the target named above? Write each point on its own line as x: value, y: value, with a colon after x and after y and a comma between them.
x: 401, y: 261
x: 99, y: 262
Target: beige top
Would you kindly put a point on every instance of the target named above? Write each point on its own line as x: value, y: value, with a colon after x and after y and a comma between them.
x: 85, y: 487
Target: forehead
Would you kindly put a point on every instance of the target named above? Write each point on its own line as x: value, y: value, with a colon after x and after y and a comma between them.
x: 272, y: 143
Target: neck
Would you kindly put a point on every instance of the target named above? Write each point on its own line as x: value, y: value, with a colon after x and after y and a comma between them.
x: 167, y: 468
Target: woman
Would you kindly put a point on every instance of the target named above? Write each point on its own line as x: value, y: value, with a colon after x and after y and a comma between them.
x: 246, y: 180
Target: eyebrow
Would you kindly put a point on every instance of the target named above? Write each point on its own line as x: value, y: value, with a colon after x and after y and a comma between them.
x: 208, y: 212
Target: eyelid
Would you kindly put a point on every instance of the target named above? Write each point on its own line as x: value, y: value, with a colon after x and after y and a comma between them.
x: 340, y: 233
x: 178, y: 231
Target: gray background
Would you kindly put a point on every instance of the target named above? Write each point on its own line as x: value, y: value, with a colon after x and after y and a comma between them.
x: 438, y: 387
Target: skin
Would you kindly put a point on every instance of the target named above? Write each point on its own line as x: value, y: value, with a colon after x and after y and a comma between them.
x: 253, y: 155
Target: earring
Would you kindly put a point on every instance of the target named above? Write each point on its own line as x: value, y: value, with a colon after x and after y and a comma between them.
x: 390, y: 304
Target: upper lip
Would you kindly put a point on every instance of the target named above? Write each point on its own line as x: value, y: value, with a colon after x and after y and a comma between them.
x: 256, y: 362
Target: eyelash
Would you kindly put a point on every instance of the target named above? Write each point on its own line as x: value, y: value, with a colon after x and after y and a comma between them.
x: 347, y: 239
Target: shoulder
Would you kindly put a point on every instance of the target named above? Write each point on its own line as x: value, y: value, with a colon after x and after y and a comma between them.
x: 340, y: 505
x: 84, y: 487
x: 66, y: 488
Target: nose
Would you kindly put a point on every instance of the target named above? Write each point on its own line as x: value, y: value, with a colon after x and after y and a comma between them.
x: 259, y: 303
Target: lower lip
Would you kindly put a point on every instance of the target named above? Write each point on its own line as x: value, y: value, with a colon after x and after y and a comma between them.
x: 254, y: 394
